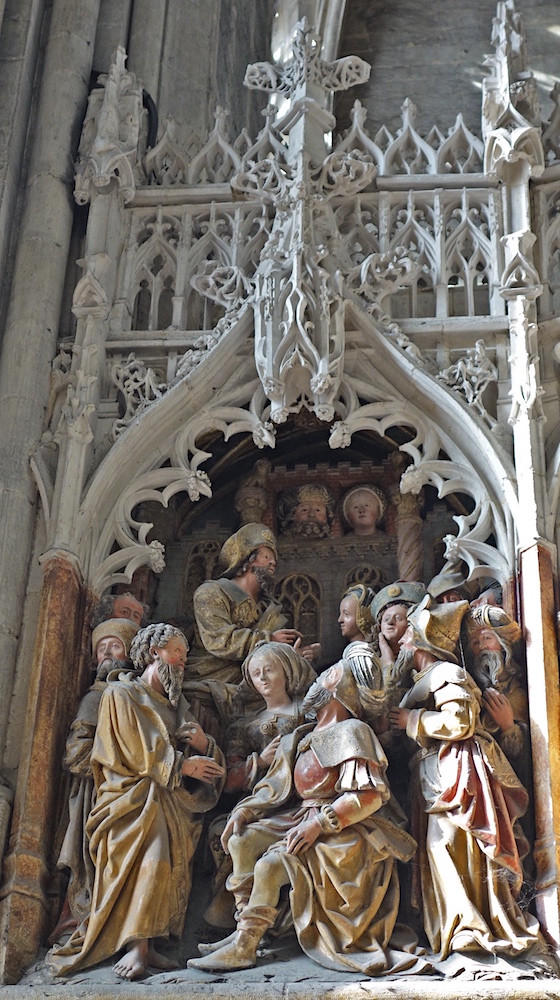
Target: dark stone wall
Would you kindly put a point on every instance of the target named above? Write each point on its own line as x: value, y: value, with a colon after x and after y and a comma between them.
x: 433, y: 52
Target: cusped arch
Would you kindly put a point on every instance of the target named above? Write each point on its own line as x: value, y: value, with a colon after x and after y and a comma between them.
x: 159, y: 455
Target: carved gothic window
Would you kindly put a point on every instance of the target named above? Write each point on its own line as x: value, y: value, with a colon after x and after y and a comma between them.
x: 300, y: 595
x: 366, y: 574
x: 467, y: 277
x: 201, y: 565
x: 156, y: 287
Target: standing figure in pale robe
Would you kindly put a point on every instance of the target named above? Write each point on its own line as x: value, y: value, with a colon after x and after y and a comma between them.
x: 468, y: 799
x: 146, y: 821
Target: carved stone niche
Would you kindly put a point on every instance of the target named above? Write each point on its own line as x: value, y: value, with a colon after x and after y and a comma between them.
x: 316, y: 566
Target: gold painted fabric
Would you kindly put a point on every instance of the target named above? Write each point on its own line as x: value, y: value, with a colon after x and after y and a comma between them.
x: 344, y: 889
x: 143, y: 828
x: 470, y: 799
x: 74, y: 853
x: 229, y: 625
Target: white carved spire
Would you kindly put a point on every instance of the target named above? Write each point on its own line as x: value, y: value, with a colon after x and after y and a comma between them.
x: 511, y: 120
x: 299, y: 319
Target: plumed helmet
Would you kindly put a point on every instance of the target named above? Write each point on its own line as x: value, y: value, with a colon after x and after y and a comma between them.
x: 122, y: 628
x: 341, y: 683
x: 451, y: 579
x: 495, y: 618
x: 437, y: 628
x: 238, y: 547
x: 400, y: 592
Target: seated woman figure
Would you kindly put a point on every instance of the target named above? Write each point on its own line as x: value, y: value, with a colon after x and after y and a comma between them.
x: 275, y: 680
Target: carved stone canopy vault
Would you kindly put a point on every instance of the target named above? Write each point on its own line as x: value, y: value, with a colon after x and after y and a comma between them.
x: 321, y: 248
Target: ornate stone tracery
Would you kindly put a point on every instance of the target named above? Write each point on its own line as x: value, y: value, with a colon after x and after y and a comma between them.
x: 363, y: 271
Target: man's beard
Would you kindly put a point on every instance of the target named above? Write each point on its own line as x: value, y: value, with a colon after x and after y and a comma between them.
x: 172, y: 680
x: 315, y: 699
x: 487, y: 667
x: 309, y: 529
x: 402, y: 666
x: 265, y: 578
x: 109, y: 665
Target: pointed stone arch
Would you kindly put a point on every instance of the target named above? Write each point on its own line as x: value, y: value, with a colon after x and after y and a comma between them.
x: 159, y: 454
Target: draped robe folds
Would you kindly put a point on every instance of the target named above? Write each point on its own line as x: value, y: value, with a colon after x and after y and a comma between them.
x: 74, y: 853
x: 229, y: 625
x: 344, y: 888
x: 143, y: 828
x: 469, y: 798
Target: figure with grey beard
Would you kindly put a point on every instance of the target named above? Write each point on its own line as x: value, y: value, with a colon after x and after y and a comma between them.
x: 110, y: 642
x: 146, y: 821
x: 491, y: 636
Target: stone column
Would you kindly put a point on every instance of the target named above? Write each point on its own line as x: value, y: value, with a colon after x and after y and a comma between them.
x: 145, y: 43
x: 539, y: 619
x: 410, y: 556
x: 520, y: 288
x: 29, y: 343
x: 54, y: 689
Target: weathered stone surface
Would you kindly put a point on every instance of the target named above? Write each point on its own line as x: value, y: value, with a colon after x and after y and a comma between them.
x: 24, y: 913
x: 434, y: 53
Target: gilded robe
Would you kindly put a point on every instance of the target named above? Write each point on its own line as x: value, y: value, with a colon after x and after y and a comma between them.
x: 469, y: 799
x: 229, y: 625
x: 74, y: 853
x: 143, y: 828
x: 344, y: 888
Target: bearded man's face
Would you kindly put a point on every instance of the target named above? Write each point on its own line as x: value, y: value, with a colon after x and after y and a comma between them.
x: 171, y: 660
x: 487, y: 667
x: 263, y: 568
x: 110, y: 654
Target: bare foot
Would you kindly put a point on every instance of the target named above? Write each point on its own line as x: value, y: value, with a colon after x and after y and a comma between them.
x: 158, y: 961
x: 134, y: 962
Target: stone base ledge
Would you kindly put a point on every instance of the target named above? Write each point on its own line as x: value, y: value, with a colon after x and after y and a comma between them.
x: 404, y: 989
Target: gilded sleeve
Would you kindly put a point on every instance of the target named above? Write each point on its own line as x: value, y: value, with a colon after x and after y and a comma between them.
x: 455, y: 718
x: 218, y: 633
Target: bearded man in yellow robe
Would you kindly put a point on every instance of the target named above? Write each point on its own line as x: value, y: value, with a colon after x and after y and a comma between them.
x: 146, y: 822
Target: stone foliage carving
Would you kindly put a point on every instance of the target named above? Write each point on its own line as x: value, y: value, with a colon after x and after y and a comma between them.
x: 306, y: 66
x: 471, y: 375
x: 139, y: 387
